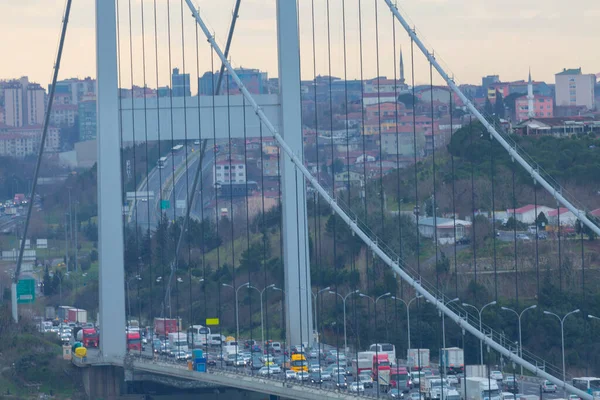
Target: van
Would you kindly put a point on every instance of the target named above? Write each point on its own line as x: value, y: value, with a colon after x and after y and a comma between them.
x: 531, y: 229
x: 507, y: 396
x: 215, y: 340
x: 276, y: 346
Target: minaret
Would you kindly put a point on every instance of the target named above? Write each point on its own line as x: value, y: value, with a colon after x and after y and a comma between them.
x: 530, y: 98
x: 402, y: 80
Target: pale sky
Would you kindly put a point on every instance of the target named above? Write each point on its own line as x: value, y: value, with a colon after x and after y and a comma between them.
x: 473, y: 37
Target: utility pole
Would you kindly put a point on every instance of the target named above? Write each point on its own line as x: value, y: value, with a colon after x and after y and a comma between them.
x: 76, y: 229
x: 67, y: 241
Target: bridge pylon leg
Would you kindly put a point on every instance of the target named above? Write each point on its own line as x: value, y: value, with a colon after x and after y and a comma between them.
x: 298, y: 297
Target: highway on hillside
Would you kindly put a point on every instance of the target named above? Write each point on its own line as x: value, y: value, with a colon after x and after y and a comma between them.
x: 162, y: 176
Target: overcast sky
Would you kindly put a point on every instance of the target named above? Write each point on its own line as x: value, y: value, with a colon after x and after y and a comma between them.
x: 473, y: 37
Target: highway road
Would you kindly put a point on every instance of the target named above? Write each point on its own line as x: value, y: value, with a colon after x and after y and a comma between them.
x: 148, y: 211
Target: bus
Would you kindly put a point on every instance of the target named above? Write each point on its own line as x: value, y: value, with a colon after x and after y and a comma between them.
x: 162, y: 162
x: 197, y: 335
x: 385, y: 348
x: 588, y: 385
x: 177, y: 148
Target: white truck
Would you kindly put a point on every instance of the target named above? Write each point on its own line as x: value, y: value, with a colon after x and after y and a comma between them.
x: 417, y: 359
x: 453, y: 359
x: 364, y: 362
x: 478, y: 388
x: 178, y: 342
x: 478, y: 371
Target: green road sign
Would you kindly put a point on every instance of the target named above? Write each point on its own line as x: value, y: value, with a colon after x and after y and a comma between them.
x: 165, y: 204
x: 26, y: 291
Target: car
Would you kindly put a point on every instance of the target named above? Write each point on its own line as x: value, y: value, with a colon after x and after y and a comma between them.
x: 522, y: 236
x: 496, y: 375
x: 314, y: 368
x: 181, y: 355
x: 302, y: 376
x: 574, y: 397
x: 415, y: 396
x: 315, y: 377
x: 507, y: 396
x: 289, y: 374
x: 452, y: 379
x: 271, y: 370
x: 196, y: 142
x: 366, y: 380
x: 340, y: 382
x: 240, y: 362
x: 326, y: 375
x: 356, y: 387
x: 510, y: 383
x: 396, y: 393
x: 548, y: 387
x: 542, y: 236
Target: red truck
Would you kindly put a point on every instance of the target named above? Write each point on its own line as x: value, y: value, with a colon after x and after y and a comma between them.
x: 88, y: 337
x: 400, y: 379
x: 134, y: 341
x: 381, y: 370
x: 164, y: 326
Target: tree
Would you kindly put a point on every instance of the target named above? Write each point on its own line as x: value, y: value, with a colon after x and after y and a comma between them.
x: 489, y: 109
x: 499, y: 106
x: 443, y: 264
x: 48, y: 286
x: 579, y: 227
x: 541, y: 220
x: 408, y: 99
x: 338, y: 166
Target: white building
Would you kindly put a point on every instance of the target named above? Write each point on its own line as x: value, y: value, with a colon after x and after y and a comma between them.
x: 528, y: 214
x: 23, y: 141
x: 446, y: 233
x: 575, y: 89
x: 226, y: 172
x: 567, y: 218
x: 36, y: 105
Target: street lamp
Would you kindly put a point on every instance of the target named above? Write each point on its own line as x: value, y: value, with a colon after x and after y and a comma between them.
x: 375, y: 310
x: 137, y: 277
x: 237, y: 320
x: 519, y: 315
x: 480, y: 311
x: 262, y: 327
x: 344, y: 303
x: 407, y: 311
x: 316, y: 298
x: 562, y: 335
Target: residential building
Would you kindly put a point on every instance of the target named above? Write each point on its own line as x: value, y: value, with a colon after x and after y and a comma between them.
x: 382, y: 85
x: 558, y: 126
x: 527, y: 214
x: 448, y: 230
x: 542, y: 107
x: 163, y: 91
x: 36, y: 105
x: 87, y: 119
x: 24, y: 141
x: 342, y: 178
x: 63, y: 115
x: 181, y: 84
x: 269, y: 164
x: 573, y: 88
x: 487, y: 81
x: 13, y: 104
x: 76, y: 88
x: 226, y: 172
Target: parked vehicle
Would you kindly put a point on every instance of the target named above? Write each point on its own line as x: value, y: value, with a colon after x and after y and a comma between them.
x: 482, y: 388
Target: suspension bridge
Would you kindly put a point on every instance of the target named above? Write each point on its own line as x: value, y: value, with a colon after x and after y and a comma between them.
x: 314, y: 39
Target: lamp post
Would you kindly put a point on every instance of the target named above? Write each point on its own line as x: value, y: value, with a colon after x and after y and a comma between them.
x: 237, y: 320
x: 316, y: 298
x: 480, y: 311
x: 519, y: 315
x: 375, y: 309
x: 562, y: 336
x: 262, y: 327
x: 137, y: 277
x: 407, y: 305
x: 344, y: 303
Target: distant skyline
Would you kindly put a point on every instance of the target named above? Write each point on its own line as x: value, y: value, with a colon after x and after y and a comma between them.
x: 474, y: 37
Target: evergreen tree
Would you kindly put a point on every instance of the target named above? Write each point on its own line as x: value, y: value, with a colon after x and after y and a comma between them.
x: 48, y: 286
x: 489, y: 109
x: 499, y: 106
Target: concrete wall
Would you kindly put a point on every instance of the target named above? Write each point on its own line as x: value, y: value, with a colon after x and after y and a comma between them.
x: 104, y: 383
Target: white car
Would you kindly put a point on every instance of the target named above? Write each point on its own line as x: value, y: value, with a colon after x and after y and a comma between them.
x: 239, y: 362
x: 302, y: 376
x: 548, y: 387
x: 356, y: 387
x: 289, y: 374
x: 496, y: 375
x: 452, y: 379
